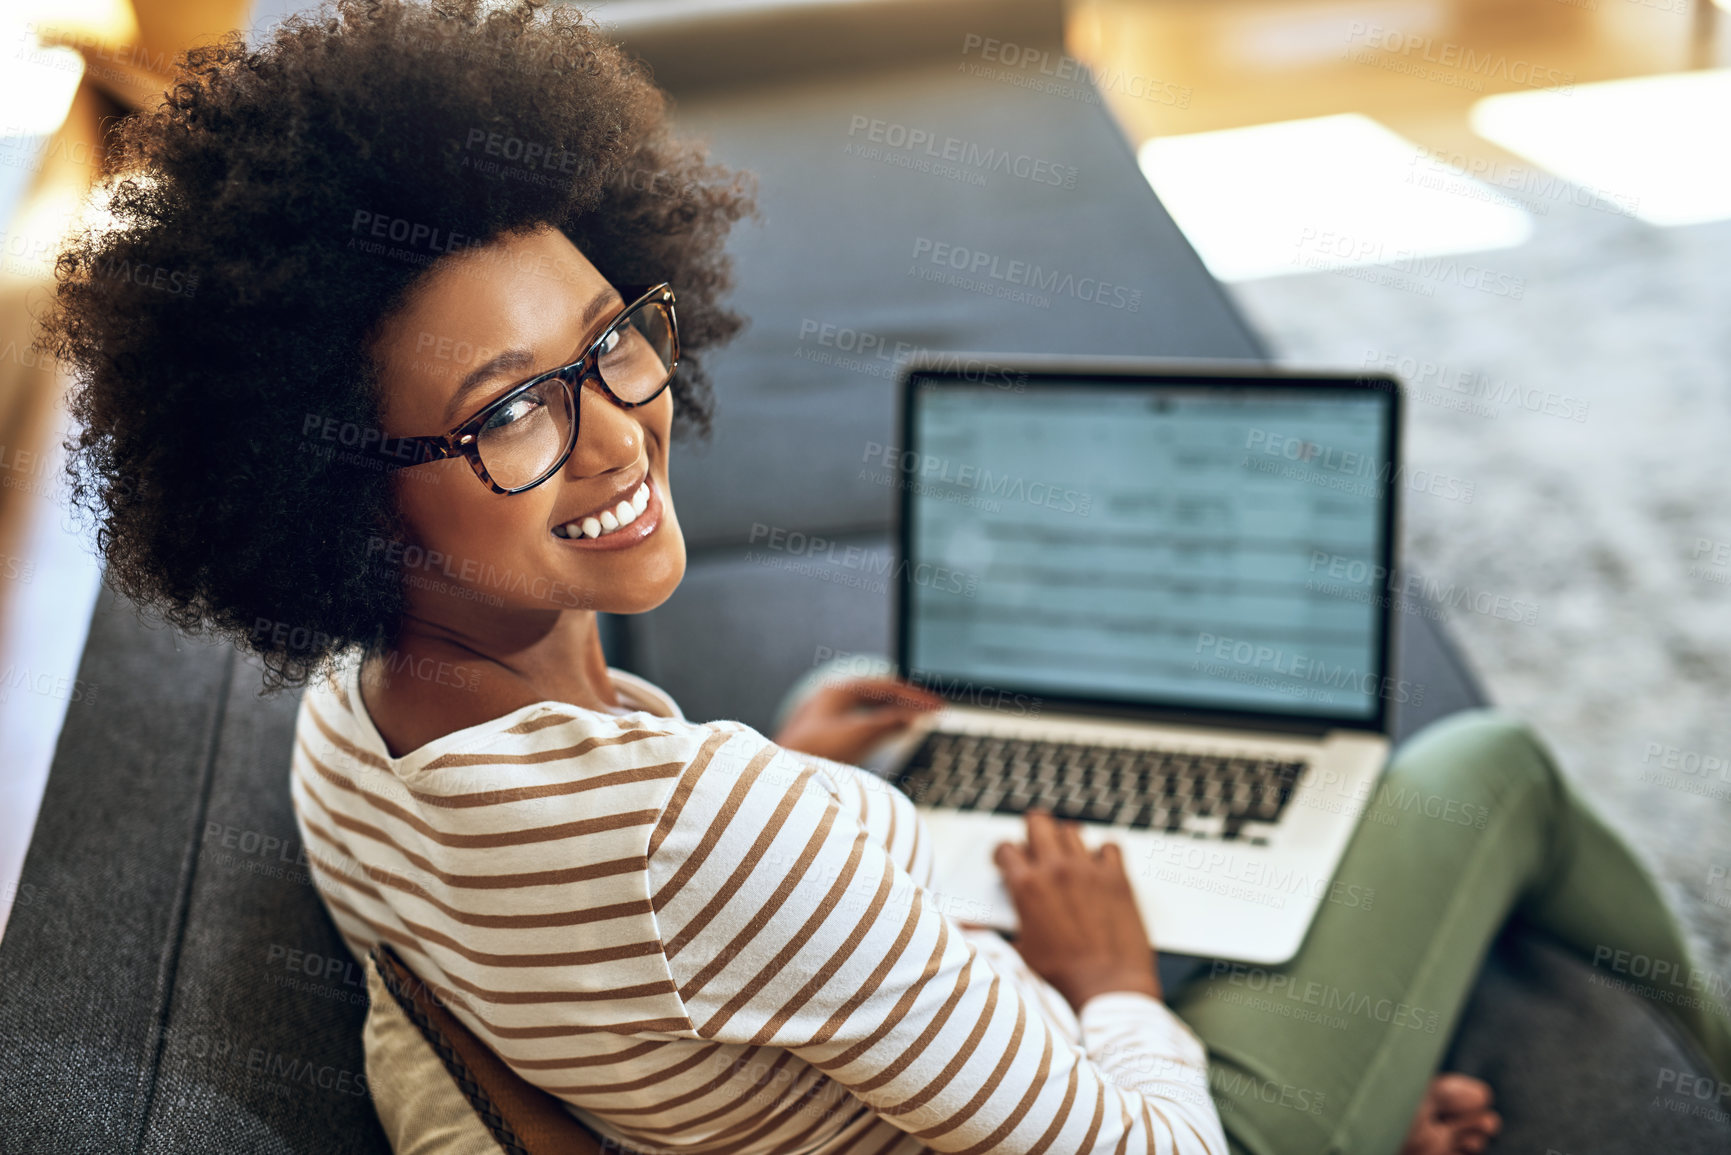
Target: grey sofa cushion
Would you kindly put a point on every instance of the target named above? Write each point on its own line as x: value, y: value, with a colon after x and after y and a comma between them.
x: 833, y: 278
x: 803, y: 408
x: 1580, y: 1068
x: 174, y: 985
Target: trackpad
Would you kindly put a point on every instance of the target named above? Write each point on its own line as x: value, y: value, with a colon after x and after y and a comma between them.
x: 965, y: 880
x: 968, y: 886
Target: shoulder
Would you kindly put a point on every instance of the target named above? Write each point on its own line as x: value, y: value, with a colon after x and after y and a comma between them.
x: 413, y: 700
x: 455, y: 721
x: 533, y: 742
x: 645, y: 693
x: 548, y: 743
x: 731, y: 767
x: 740, y: 797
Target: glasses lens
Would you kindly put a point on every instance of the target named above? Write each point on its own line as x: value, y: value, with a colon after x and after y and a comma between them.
x: 636, y: 358
x: 522, y: 442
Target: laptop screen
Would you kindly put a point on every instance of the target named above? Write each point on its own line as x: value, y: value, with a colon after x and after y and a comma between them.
x: 1212, y: 545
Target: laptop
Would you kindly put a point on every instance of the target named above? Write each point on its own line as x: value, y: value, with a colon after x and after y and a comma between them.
x: 1154, y: 596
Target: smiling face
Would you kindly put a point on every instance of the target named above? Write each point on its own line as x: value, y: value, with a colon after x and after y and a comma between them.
x: 480, y: 322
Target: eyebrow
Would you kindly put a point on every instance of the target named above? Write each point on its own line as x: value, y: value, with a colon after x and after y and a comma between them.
x: 517, y: 360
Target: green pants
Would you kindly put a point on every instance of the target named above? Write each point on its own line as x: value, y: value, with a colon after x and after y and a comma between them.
x: 1471, y: 824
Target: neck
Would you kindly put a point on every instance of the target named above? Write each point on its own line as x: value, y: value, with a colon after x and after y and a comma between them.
x: 521, y: 657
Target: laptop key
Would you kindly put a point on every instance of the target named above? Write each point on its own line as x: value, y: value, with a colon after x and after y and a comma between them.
x: 1126, y: 786
x: 1070, y: 806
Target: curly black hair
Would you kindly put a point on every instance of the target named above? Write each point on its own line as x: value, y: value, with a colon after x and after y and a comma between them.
x: 269, y: 216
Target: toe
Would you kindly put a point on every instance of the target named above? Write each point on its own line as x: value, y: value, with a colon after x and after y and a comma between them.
x: 1458, y: 1094
x: 1475, y: 1132
x: 1455, y: 1116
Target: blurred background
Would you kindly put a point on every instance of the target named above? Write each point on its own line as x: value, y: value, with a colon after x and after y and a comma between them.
x: 1522, y: 207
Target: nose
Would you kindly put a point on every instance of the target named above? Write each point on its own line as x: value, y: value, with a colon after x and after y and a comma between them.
x: 608, y: 438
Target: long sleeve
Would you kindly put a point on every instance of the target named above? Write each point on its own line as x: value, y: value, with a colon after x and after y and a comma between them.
x: 790, y: 925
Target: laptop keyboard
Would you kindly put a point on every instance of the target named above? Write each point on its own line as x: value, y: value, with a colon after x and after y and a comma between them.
x: 1149, y: 789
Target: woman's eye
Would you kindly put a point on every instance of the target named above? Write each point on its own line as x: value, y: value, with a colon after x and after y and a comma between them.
x: 621, y: 349
x: 516, y: 411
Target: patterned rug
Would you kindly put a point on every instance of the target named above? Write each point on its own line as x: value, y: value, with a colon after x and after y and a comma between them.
x: 1571, y: 402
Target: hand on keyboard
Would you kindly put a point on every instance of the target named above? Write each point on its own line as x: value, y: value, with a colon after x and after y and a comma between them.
x: 844, y: 721
x: 1080, y: 929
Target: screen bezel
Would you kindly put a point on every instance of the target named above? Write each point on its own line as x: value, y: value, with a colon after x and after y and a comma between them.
x: 962, y: 369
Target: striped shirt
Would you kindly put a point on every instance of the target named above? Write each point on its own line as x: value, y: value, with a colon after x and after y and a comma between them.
x: 702, y: 942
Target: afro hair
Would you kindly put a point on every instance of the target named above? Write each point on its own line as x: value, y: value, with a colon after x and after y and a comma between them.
x: 278, y: 205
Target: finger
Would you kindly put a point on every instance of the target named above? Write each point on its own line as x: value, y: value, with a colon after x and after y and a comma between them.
x: 867, y: 727
x: 1070, y: 837
x: 907, y: 691
x: 1043, y: 834
x: 1012, y: 862
x: 825, y: 701
x: 892, y: 692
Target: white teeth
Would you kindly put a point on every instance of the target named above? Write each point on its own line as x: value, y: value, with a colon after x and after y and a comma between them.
x: 623, y: 514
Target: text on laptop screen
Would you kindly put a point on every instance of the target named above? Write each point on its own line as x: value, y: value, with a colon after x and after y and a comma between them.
x: 1173, y: 545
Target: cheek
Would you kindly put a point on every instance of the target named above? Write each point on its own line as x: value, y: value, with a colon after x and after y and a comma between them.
x: 450, y: 510
x: 658, y: 418
x: 418, y: 498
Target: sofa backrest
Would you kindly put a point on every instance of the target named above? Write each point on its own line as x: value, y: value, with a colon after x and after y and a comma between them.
x: 971, y: 192
x: 173, y: 984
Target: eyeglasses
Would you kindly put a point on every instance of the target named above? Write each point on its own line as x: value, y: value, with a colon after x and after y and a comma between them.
x: 525, y: 436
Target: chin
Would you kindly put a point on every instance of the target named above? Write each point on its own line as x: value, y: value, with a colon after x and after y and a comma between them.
x: 655, y: 580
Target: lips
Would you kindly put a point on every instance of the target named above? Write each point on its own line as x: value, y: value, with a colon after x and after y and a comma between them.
x: 609, y: 519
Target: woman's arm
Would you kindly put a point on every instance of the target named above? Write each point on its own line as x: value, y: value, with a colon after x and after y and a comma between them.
x: 786, y: 923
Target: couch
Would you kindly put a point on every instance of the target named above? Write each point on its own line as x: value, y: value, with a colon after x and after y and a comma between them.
x: 171, y: 983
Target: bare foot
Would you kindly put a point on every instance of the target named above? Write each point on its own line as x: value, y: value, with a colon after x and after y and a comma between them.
x: 1454, y: 1119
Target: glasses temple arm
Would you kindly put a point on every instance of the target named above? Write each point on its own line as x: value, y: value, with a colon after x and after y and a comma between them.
x: 404, y: 452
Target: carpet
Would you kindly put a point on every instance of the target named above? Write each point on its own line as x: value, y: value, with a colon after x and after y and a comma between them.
x: 1568, y: 441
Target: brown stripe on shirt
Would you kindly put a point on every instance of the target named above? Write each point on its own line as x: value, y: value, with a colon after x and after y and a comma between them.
x: 682, y: 790
x: 742, y: 873
x: 537, y: 757
x: 712, y: 833
x: 517, y: 837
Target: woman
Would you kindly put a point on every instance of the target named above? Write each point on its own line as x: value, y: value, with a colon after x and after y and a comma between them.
x: 454, y: 282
